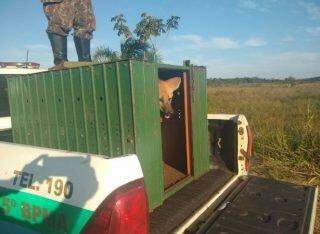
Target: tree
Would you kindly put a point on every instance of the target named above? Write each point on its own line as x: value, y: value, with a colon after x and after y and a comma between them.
x: 291, y: 81
x: 104, y: 54
x: 141, y: 43
x: 133, y: 48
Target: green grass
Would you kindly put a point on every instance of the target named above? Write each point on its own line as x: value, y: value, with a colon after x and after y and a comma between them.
x: 286, y: 126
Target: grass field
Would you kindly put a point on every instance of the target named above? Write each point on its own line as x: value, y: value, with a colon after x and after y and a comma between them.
x: 286, y: 123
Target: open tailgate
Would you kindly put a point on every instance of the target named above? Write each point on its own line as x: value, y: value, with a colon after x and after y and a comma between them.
x: 259, y: 205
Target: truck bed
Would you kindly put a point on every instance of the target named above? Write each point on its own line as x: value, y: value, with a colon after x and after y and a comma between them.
x: 259, y: 205
x: 183, y: 203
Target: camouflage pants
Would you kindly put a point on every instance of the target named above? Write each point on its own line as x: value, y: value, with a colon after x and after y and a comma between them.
x: 63, y: 15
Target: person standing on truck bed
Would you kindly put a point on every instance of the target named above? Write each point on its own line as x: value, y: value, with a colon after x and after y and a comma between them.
x: 63, y: 15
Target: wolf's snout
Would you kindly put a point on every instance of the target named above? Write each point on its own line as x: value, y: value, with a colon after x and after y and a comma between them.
x: 166, y: 89
x: 166, y: 108
x: 169, y: 109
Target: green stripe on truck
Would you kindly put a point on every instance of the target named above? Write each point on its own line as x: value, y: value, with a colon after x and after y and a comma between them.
x: 41, y: 214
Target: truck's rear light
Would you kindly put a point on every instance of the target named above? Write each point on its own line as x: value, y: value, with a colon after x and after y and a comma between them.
x: 124, y: 211
x: 249, y: 148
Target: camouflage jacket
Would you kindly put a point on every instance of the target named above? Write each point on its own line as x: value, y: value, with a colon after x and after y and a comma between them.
x: 50, y: 1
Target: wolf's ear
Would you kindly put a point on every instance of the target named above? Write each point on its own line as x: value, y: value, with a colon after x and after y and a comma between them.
x: 174, y: 83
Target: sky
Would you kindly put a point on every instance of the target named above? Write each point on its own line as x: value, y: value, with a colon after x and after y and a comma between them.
x: 233, y: 38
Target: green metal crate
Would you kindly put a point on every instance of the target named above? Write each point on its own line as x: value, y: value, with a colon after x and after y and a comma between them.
x: 110, y: 109
x: 4, y: 106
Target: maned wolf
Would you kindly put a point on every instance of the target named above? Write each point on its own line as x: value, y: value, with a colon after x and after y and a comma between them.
x: 166, y: 89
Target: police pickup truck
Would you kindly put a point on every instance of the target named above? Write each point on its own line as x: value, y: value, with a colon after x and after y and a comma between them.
x: 64, y: 170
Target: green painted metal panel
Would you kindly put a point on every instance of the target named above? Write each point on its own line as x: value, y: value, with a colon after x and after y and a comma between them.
x: 52, y: 113
x: 16, y: 135
x: 12, y: 89
x: 113, y: 109
x: 173, y: 67
x: 29, y: 111
x: 200, y: 139
x: 88, y: 109
x: 59, y: 110
x: 67, y: 99
x: 125, y: 107
x: 37, y: 111
x: 77, y: 100
x: 4, y: 102
x: 13, y: 99
x: 147, y: 127
x: 101, y: 115
x: 43, y: 111
x: 20, y: 109
x: 35, y: 117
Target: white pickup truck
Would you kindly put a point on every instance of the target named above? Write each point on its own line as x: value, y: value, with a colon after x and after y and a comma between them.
x: 93, y: 194
x: 45, y: 190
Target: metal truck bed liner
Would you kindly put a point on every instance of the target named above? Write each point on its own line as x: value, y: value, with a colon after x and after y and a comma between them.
x: 259, y: 205
x: 183, y: 203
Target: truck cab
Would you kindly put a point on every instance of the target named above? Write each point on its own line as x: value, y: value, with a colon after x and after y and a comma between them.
x: 89, y: 150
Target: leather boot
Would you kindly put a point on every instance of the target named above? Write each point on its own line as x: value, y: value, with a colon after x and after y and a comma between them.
x: 59, y: 49
x: 83, y: 49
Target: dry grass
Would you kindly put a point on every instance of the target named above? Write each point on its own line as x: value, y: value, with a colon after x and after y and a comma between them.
x: 286, y: 125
